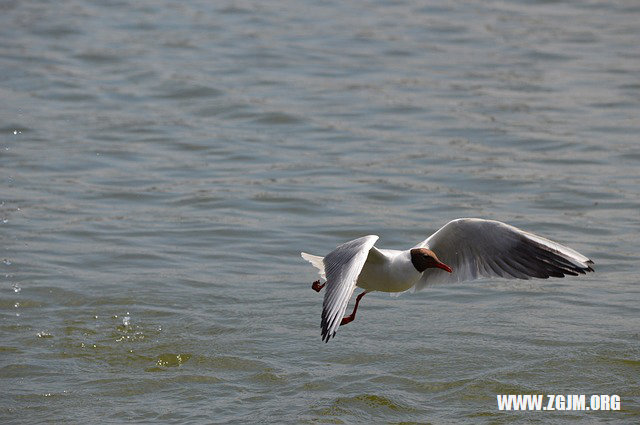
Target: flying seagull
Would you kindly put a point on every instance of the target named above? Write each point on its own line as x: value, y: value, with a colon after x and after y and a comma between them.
x: 463, y: 249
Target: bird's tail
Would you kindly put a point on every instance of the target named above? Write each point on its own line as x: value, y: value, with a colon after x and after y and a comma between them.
x: 316, y: 262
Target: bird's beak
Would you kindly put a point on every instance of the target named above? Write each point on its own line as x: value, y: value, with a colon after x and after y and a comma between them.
x: 444, y: 267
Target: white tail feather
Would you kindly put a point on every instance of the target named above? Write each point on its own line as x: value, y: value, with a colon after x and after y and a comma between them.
x: 316, y: 262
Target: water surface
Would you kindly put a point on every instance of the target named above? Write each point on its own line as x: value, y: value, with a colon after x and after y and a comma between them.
x: 162, y: 165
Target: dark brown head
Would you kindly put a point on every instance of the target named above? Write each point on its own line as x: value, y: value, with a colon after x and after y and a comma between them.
x: 423, y: 259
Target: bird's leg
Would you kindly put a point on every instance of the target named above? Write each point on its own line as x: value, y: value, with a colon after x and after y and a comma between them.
x: 352, y: 316
x: 316, y: 286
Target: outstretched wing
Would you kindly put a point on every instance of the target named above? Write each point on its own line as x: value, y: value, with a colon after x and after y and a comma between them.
x: 342, y: 267
x: 477, y: 248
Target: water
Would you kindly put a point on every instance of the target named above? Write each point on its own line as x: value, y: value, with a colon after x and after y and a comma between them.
x: 162, y: 165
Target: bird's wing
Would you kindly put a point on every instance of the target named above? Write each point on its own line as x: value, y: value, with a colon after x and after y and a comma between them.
x: 375, y: 256
x: 342, y: 267
x: 475, y: 248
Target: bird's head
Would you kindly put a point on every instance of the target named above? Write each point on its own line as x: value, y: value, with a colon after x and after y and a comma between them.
x: 423, y: 259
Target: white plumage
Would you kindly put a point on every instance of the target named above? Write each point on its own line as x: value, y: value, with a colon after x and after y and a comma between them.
x: 471, y: 248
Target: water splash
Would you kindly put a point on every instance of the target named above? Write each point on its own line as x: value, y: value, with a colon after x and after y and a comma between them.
x: 128, y: 331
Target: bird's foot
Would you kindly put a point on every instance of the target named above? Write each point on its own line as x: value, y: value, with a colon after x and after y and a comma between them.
x: 316, y: 286
x: 347, y: 319
x: 350, y: 318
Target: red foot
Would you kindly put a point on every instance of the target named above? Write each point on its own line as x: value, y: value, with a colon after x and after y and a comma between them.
x: 352, y: 316
x: 347, y: 319
x: 316, y: 286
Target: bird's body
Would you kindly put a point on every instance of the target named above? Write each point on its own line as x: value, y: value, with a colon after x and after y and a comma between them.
x: 388, y: 270
x: 463, y: 249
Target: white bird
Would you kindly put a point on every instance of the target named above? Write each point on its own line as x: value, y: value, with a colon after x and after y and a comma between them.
x: 466, y: 248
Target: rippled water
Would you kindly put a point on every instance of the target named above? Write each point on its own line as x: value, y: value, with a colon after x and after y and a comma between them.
x: 162, y: 165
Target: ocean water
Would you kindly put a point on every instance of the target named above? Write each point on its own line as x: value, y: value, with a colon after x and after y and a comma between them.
x: 162, y: 165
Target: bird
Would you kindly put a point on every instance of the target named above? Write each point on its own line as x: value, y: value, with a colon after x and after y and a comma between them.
x: 463, y: 249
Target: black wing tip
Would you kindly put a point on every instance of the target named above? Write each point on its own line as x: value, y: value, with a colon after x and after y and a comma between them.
x: 587, y: 268
x: 587, y: 265
x: 556, y: 264
x: 324, y: 324
x: 560, y: 271
x: 573, y: 271
x: 326, y: 336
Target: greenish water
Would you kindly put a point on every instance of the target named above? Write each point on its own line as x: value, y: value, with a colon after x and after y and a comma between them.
x: 162, y: 165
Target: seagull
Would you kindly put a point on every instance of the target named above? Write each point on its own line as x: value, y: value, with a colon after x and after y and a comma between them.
x: 463, y: 249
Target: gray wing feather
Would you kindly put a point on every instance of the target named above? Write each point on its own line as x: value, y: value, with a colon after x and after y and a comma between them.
x: 476, y: 248
x: 342, y: 267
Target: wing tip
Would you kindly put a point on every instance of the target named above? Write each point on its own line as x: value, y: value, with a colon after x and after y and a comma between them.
x: 326, y: 334
x: 326, y: 337
x: 325, y: 326
x: 589, y: 263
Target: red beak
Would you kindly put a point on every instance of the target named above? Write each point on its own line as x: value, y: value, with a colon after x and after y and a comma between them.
x: 444, y: 267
